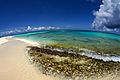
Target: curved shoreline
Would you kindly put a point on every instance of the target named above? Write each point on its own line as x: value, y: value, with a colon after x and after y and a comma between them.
x: 5, y: 39
x: 12, y: 42
x: 87, y: 52
x: 14, y: 64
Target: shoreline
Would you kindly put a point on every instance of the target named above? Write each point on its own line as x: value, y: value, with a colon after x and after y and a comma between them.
x: 72, y: 65
x: 9, y: 38
x: 14, y: 62
x: 88, y: 53
x: 5, y: 39
x: 27, y: 41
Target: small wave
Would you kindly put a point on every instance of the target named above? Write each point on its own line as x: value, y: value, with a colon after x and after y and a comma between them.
x: 26, y: 29
x: 27, y: 41
x: 94, y: 55
x: 5, y: 39
x: 101, y: 57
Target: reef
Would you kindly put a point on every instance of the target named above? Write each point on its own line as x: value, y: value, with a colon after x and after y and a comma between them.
x: 70, y: 65
x: 97, y: 49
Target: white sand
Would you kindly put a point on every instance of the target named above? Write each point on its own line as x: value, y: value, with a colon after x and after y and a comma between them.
x: 14, y: 64
x: 4, y: 39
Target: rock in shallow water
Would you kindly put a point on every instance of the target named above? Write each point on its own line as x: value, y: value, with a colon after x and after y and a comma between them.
x: 69, y: 65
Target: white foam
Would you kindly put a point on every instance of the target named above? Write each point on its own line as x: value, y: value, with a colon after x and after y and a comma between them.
x: 101, y: 57
x: 5, y: 39
x: 27, y: 29
x: 94, y: 55
x: 27, y: 41
x: 104, y: 57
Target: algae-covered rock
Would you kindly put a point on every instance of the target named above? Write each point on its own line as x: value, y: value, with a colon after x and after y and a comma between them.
x: 68, y: 64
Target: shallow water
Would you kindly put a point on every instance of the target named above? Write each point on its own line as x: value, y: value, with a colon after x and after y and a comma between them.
x: 91, y: 51
x: 76, y: 38
x: 98, y: 45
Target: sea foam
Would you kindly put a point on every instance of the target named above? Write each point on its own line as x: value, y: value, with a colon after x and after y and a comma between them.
x: 27, y: 41
x: 101, y: 57
x: 94, y: 55
x: 5, y: 39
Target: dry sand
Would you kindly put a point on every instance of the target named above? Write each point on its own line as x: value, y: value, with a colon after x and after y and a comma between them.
x: 14, y: 64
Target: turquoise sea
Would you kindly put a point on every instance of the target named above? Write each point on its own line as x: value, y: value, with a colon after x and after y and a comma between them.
x: 77, y: 39
x: 85, y: 53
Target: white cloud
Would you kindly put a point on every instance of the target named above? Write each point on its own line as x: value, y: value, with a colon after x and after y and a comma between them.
x: 27, y: 29
x: 108, y: 16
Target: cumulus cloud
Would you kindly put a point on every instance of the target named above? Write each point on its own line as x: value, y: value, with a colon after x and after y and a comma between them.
x: 108, y: 16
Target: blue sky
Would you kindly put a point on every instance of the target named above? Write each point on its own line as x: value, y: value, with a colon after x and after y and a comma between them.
x: 77, y: 14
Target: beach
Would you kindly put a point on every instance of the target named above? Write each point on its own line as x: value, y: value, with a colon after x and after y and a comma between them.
x: 14, y: 64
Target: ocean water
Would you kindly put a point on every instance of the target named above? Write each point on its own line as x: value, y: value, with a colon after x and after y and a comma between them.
x: 100, y: 42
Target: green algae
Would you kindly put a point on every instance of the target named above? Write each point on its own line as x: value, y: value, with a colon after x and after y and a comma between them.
x: 97, y: 49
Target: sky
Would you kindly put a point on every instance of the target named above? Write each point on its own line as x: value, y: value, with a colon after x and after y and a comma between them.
x: 75, y: 14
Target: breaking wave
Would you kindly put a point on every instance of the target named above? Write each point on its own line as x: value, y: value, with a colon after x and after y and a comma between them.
x: 26, y: 29
x: 101, y: 57
x: 94, y: 55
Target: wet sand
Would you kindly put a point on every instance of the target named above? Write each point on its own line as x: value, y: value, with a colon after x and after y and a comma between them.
x: 14, y: 64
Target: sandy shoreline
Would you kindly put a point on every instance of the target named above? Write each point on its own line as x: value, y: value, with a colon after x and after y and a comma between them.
x: 14, y: 65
